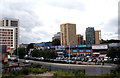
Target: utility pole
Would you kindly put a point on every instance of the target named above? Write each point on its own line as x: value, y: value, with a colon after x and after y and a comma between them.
x: 17, y: 55
x: 69, y: 52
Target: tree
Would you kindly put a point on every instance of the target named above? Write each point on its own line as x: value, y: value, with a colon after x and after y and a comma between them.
x: 56, y: 42
x: 118, y: 52
x: 35, y: 53
x: 109, y: 41
x: 21, y: 52
x: 112, y: 52
x: 44, y: 53
x: 30, y: 46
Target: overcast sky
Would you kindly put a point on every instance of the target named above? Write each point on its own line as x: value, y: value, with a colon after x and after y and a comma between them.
x: 41, y: 19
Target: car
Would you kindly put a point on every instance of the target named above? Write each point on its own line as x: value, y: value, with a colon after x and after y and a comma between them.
x: 90, y: 60
x: 38, y: 58
x: 106, y: 59
x: 116, y: 59
x: 42, y: 58
x: 71, y: 61
x: 26, y: 61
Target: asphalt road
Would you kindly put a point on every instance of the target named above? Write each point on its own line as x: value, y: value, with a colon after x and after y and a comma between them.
x: 89, y: 69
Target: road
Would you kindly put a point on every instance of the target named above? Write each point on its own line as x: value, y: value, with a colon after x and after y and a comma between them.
x: 89, y: 69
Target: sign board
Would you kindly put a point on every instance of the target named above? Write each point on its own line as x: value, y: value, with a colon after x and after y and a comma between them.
x: 81, y: 45
x: 96, y: 53
x: 59, y: 47
x: 74, y: 50
x: 8, y: 48
x: 8, y: 56
x: 99, y: 47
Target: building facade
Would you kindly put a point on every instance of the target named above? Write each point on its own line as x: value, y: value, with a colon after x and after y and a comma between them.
x: 97, y: 36
x: 9, y: 29
x: 90, y: 35
x: 68, y: 34
x: 23, y: 45
x: 56, y: 36
x: 79, y: 38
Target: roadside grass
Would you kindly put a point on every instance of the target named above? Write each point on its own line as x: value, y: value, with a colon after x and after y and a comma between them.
x: 25, y: 71
x: 115, y: 73
x: 69, y: 74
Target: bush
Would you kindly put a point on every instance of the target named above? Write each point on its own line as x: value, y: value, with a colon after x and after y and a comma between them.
x: 63, y: 73
x: 72, y: 73
x: 43, y: 68
x: 7, y: 75
x: 117, y: 69
x: 5, y: 66
x: 115, y: 73
x: 25, y: 71
x: 37, y: 71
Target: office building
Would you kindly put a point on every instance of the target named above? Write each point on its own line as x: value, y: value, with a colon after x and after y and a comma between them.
x: 97, y: 36
x: 9, y: 29
x: 79, y: 38
x: 68, y: 34
x: 56, y: 36
x: 90, y: 35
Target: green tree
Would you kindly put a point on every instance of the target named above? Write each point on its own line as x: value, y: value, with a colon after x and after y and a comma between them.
x: 21, y: 52
x: 118, y: 53
x: 56, y: 42
x: 35, y: 53
x: 44, y: 53
x: 30, y: 46
x: 112, y: 52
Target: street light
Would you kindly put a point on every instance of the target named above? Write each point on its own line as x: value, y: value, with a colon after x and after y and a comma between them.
x: 17, y: 55
x: 69, y: 52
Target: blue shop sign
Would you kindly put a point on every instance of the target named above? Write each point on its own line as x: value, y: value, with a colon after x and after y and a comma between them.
x: 88, y: 50
x: 74, y: 50
x: 80, y: 50
x: 81, y: 45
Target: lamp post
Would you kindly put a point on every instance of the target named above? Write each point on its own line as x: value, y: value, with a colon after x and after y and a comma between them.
x: 17, y: 55
x: 69, y: 52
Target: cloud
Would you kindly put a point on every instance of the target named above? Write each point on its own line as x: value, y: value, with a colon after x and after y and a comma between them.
x: 28, y: 19
x: 68, y: 4
x: 40, y: 19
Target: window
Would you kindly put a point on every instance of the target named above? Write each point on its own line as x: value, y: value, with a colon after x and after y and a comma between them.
x: 3, y: 22
x: 80, y: 50
x: 88, y: 50
x: 6, y: 22
x: 14, y: 23
x: 74, y: 50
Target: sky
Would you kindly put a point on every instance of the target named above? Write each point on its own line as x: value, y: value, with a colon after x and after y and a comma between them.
x: 41, y: 19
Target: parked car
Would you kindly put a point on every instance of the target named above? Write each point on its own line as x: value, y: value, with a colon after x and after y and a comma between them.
x: 13, y: 58
x: 116, y: 60
x: 106, y: 59
x: 71, y: 61
x: 90, y: 60
x: 26, y: 61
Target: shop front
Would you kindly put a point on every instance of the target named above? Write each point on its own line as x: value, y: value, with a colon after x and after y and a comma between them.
x: 99, y: 50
